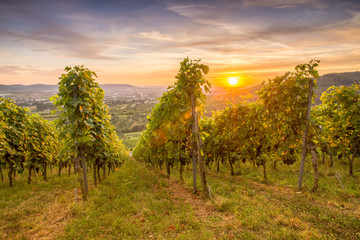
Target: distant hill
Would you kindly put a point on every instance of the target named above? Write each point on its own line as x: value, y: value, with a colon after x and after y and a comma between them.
x: 18, y: 88
x: 111, y: 88
x: 217, y: 100
x: 335, y: 79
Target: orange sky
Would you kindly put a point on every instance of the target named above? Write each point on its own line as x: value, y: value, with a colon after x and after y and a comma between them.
x: 143, y: 42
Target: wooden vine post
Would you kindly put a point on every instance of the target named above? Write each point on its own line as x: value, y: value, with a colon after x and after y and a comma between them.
x: 306, y: 131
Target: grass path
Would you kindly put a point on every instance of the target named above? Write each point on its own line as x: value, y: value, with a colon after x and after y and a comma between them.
x: 266, y: 210
x: 139, y: 203
x: 218, y: 222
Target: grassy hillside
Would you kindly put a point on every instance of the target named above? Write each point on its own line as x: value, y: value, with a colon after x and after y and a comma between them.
x: 138, y: 203
x: 131, y: 139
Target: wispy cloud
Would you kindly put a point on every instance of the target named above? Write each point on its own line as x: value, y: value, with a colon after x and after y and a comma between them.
x: 11, y: 70
x: 277, y: 3
x: 254, y: 37
x: 69, y: 42
x: 51, y: 32
x: 155, y: 35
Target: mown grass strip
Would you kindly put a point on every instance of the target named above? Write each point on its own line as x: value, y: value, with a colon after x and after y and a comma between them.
x: 135, y: 203
x: 278, y: 210
x: 35, y: 211
x: 139, y: 203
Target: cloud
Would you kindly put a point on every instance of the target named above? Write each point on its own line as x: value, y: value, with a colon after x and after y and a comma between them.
x: 32, y: 25
x: 155, y: 35
x: 257, y: 18
x: 69, y: 43
x: 262, y: 27
x: 15, y: 70
x: 119, y: 36
x: 277, y: 3
x: 189, y: 10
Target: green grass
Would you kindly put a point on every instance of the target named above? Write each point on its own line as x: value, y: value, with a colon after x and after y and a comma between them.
x: 133, y: 134
x: 131, y: 142
x: 131, y: 139
x: 279, y: 210
x: 139, y: 203
x: 35, y: 210
x: 136, y: 204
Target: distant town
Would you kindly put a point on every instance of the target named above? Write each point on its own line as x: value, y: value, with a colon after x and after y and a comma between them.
x: 36, y: 97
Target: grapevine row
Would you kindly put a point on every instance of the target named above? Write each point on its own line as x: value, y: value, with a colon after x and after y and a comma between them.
x: 265, y: 132
x: 82, y: 136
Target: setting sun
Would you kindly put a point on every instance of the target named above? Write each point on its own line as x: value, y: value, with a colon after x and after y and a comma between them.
x: 233, y: 80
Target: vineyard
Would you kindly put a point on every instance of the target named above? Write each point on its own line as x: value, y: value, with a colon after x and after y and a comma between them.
x: 81, y: 137
x: 280, y: 127
x: 278, y: 167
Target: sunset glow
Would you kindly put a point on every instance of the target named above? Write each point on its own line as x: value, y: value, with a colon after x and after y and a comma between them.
x: 233, y: 80
x: 143, y: 42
